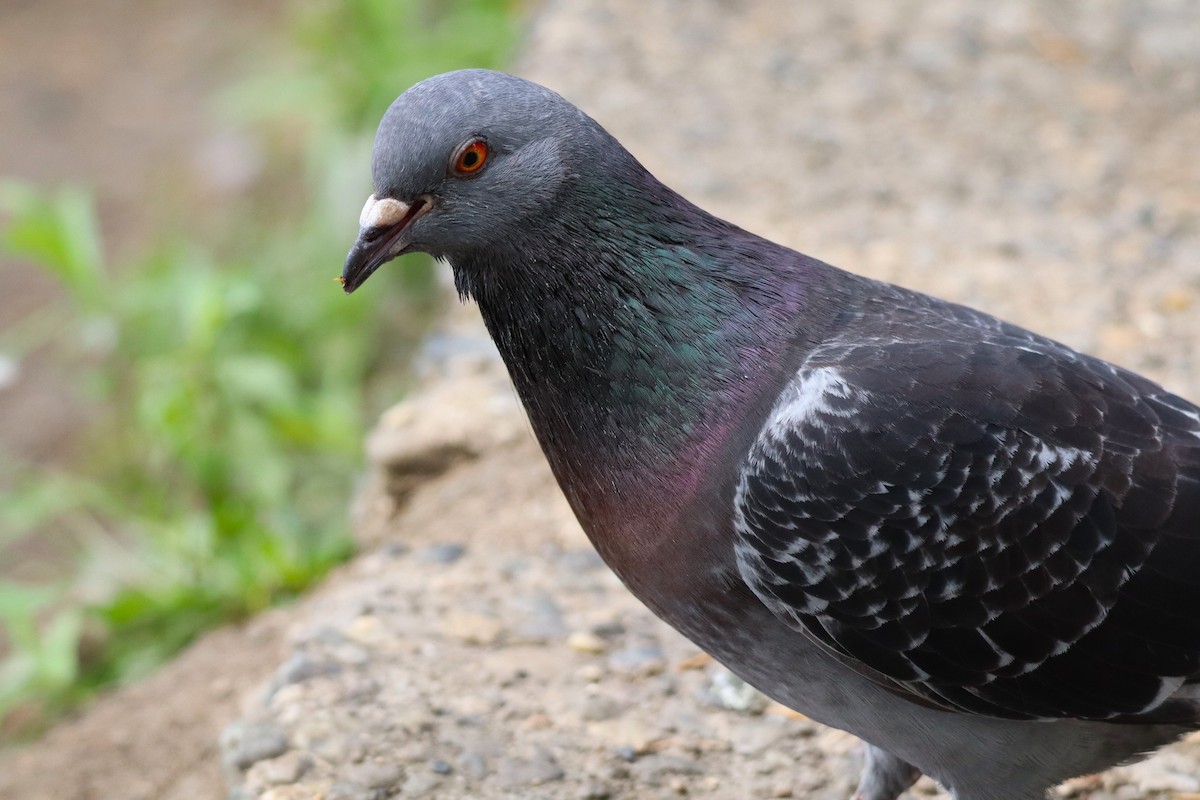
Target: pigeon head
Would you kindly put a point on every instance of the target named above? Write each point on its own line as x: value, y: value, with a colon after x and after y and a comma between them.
x: 461, y: 162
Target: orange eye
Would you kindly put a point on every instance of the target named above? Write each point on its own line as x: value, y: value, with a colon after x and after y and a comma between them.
x: 471, y: 158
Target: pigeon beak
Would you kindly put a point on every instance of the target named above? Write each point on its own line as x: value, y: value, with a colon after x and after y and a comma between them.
x: 383, y: 229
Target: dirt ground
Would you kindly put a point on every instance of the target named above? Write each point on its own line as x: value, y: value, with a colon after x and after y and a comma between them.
x: 1036, y: 159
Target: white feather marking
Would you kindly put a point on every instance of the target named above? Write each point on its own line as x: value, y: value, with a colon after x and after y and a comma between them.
x: 808, y: 401
x: 1167, y: 687
x: 1005, y: 657
x: 1063, y: 457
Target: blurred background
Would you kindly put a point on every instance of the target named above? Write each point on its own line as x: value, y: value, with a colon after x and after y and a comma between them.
x: 183, y: 388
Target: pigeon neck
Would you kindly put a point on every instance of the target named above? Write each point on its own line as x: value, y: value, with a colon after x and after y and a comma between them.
x: 636, y: 340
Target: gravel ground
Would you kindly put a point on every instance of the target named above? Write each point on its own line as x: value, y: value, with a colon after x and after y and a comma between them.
x: 1033, y: 158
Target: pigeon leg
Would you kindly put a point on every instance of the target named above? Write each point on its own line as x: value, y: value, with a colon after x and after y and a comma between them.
x: 884, y: 777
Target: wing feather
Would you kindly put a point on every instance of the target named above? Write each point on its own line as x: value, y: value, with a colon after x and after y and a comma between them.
x: 995, y: 524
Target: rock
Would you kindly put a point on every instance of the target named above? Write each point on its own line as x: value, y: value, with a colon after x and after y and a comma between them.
x: 657, y: 765
x: 539, y: 619
x: 639, y: 660
x: 368, y: 631
x: 300, y: 667
x: 697, y: 661
x: 473, y: 765
x: 445, y: 553
x: 348, y: 791
x: 599, y: 707
x: 421, y: 784
x: 349, y: 654
x: 590, y: 673
x: 755, y: 738
x: 244, y: 743
x: 518, y: 773
x: 586, y: 642
x: 473, y: 628
x: 312, y: 733
x: 781, y: 789
x: 610, y: 629
x: 287, y: 768
x: 726, y: 690
x: 595, y: 790
x: 376, y: 775
x: 293, y: 792
x: 343, y: 746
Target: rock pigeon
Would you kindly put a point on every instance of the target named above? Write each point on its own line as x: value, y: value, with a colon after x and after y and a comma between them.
x: 971, y: 546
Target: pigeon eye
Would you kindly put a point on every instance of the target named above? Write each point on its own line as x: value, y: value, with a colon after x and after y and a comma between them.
x: 471, y: 158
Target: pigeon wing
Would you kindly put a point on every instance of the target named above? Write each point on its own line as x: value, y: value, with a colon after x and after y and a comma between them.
x: 1001, y: 526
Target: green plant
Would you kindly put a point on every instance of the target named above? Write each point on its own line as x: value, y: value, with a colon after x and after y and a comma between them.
x: 228, y: 378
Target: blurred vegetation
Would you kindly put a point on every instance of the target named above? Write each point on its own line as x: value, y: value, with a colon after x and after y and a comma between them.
x: 230, y: 377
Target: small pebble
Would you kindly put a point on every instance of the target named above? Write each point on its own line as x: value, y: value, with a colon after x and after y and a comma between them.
x: 394, y: 549
x: 513, y: 773
x: 376, y: 775
x: 586, y: 642
x: 293, y: 792
x: 287, y: 768
x: 421, y: 784
x: 757, y: 738
x: 610, y: 629
x: 595, y: 791
x: 642, y: 660
x: 539, y: 619
x: 598, y: 707
x: 726, y: 690
x: 590, y: 673
x: 348, y: 791
x: 350, y: 654
x: 246, y: 743
x: 473, y: 628
x: 367, y: 631
x: 300, y: 667
x: 657, y: 766
x: 445, y: 553
x: 473, y: 765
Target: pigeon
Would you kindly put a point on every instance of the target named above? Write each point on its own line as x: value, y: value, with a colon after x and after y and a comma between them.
x: 971, y: 546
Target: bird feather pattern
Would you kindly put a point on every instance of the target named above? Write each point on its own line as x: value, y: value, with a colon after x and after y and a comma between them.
x: 981, y: 516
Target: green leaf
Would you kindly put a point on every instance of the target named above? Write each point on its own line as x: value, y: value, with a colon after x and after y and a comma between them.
x: 59, y: 233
